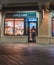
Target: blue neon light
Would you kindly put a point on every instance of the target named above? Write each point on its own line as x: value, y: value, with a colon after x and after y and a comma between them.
x: 31, y: 19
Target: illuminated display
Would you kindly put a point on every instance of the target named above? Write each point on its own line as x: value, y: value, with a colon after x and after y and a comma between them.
x: 14, y: 26
x: 30, y: 20
x: 9, y: 24
x: 19, y: 26
x: 22, y: 14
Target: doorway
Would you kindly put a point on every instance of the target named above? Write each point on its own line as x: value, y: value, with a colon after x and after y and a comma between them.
x: 32, y: 29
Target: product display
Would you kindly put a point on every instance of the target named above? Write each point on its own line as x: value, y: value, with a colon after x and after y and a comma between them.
x: 9, y: 26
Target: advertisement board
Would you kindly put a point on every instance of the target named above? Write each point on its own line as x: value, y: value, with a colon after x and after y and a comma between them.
x: 19, y: 26
x: 9, y: 26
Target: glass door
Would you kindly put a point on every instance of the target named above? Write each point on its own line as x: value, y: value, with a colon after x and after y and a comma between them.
x: 32, y: 28
x: 32, y: 31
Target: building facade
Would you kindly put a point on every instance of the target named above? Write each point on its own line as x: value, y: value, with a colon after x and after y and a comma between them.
x: 16, y: 23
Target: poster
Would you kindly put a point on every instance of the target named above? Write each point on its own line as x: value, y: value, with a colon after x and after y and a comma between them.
x: 9, y: 26
x: 19, y: 26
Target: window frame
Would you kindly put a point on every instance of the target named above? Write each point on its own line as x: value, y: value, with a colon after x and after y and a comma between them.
x: 14, y: 27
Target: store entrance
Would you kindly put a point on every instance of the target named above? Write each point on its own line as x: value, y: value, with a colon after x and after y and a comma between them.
x: 32, y: 29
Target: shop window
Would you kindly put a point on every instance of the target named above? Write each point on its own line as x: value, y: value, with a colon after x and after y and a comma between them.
x: 9, y: 26
x: 14, y: 26
x: 19, y: 26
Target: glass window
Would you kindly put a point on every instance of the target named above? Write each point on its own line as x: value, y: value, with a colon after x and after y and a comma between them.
x: 14, y: 26
x: 9, y: 26
x: 28, y: 20
x: 19, y: 26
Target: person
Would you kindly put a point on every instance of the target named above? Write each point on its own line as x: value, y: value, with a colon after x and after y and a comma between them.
x: 33, y: 33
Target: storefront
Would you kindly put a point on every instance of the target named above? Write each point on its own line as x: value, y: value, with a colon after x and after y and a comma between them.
x: 16, y: 26
x: 17, y: 23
